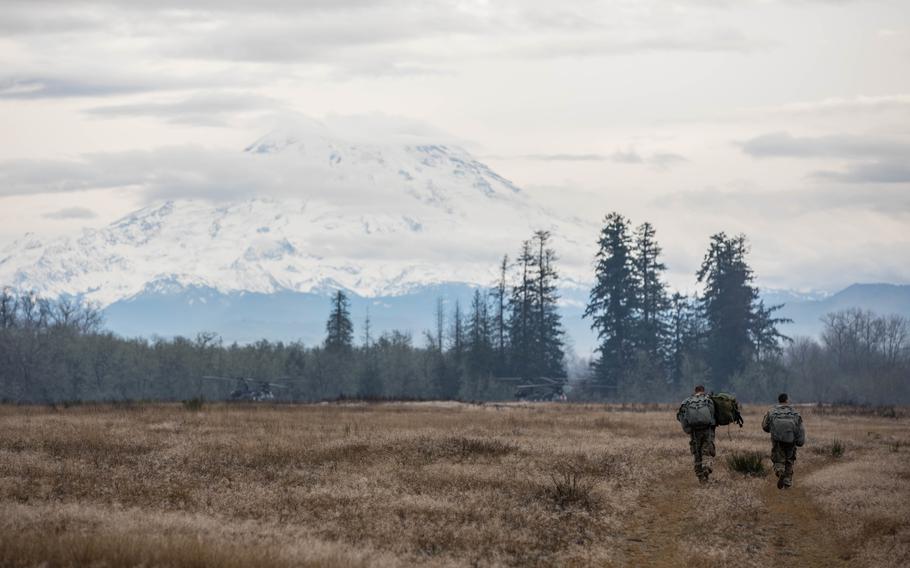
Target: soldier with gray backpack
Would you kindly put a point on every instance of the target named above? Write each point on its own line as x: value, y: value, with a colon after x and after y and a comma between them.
x: 696, y: 415
x: 785, y: 425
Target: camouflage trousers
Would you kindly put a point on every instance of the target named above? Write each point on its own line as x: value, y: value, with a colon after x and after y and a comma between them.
x: 783, y: 456
x: 702, y: 445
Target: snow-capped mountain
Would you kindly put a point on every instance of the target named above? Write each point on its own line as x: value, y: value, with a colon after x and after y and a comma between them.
x: 373, y: 219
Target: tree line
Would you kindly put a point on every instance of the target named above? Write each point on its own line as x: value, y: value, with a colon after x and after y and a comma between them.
x: 653, y: 345
x: 58, y: 350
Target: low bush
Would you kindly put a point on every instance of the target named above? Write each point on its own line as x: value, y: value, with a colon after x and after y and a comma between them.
x: 747, y: 463
x: 835, y: 449
x: 570, y: 487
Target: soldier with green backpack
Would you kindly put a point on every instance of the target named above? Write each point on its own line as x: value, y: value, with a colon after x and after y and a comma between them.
x: 785, y: 425
x: 696, y: 415
x: 700, y: 415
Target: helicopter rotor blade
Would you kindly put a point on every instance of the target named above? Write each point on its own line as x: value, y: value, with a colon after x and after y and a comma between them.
x: 210, y: 377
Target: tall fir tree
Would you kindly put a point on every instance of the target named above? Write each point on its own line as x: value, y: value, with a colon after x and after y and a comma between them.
x: 369, y: 381
x: 728, y: 306
x: 521, y: 316
x: 455, y: 365
x: 652, y: 302
x: 548, y: 341
x: 535, y: 325
x: 480, y: 336
x: 677, y: 337
x: 685, y: 338
x: 767, y: 340
x: 480, y: 354
x: 500, y: 319
x: 612, y: 305
x: 339, y: 329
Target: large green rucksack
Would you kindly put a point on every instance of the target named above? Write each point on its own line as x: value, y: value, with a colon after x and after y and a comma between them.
x: 726, y: 409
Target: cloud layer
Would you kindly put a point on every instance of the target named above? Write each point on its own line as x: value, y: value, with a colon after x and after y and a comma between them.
x: 697, y: 115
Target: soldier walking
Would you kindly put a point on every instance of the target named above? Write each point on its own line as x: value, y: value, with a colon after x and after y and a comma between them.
x: 785, y: 425
x: 696, y: 415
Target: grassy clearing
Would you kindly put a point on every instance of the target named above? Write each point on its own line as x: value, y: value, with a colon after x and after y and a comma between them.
x: 405, y: 484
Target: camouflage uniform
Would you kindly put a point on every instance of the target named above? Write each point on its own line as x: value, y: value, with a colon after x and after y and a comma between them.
x: 783, y: 453
x: 701, y: 438
x: 702, y: 446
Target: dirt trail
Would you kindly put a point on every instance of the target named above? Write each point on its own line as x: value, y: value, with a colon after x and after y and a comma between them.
x: 655, y: 536
x: 794, y: 531
x: 800, y: 531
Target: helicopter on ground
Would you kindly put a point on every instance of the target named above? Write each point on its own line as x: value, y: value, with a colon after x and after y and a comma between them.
x: 538, y: 388
x: 249, y: 389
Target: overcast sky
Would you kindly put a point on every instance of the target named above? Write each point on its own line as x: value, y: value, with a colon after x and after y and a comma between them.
x: 787, y: 120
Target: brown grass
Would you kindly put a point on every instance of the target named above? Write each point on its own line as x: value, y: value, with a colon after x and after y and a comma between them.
x: 434, y: 484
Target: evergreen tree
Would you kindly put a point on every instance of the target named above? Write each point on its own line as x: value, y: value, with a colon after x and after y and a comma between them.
x: 677, y: 338
x: 458, y: 340
x: 685, y: 338
x: 499, y: 324
x: 612, y: 305
x: 535, y: 325
x: 727, y: 304
x: 766, y: 338
x: 521, y: 316
x: 652, y: 302
x: 480, y: 339
x: 339, y: 329
x: 548, y: 341
x: 479, y: 359
x: 369, y: 381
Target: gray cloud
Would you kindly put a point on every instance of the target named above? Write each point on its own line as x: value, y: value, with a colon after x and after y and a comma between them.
x: 356, y: 38
x: 22, y: 19
x: 790, y: 204
x: 871, y: 172
x: 695, y: 41
x: 627, y: 157
x: 659, y: 160
x: 71, y: 213
x: 171, y: 171
x: 664, y: 160
x: 841, y: 105
x: 566, y: 157
x: 193, y: 171
x: 203, y: 109
x: 783, y: 144
x: 60, y: 87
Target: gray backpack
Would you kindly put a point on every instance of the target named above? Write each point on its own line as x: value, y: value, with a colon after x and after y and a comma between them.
x: 699, y: 412
x: 785, y: 426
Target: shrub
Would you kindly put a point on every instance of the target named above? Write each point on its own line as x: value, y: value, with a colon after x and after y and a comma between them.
x: 747, y: 463
x: 836, y: 449
x: 570, y: 487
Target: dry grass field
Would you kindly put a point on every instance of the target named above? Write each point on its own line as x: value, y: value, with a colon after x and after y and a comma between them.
x: 438, y: 485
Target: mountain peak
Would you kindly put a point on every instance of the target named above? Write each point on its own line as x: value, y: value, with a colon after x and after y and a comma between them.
x: 377, y: 219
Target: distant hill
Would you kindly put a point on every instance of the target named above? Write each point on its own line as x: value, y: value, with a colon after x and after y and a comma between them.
x: 807, y: 313
x: 246, y: 317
